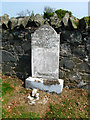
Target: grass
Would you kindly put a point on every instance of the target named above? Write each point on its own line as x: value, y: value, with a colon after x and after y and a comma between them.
x: 69, y: 106
x: 6, y: 88
x: 7, y: 91
x: 18, y: 113
x: 68, y: 109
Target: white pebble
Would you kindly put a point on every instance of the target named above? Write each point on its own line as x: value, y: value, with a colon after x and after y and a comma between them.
x: 30, y: 98
x: 34, y: 92
x: 37, y: 95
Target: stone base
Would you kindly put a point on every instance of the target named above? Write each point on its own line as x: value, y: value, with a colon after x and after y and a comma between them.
x: 52, y: 86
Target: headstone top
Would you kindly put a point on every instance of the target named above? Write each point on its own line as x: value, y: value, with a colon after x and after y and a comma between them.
x: 45, y: 37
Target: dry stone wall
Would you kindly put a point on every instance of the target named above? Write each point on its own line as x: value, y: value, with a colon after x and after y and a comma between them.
x: 16, y: 35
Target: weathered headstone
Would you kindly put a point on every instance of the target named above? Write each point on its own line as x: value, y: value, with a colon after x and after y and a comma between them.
x: 45, y: 53
x: 45, y: 59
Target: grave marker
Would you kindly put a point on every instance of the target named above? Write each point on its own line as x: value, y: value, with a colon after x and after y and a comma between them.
x: 45, y: 53
x: 45, y: 46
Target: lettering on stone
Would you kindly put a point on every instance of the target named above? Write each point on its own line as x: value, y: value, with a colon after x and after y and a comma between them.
x: 45, y: 53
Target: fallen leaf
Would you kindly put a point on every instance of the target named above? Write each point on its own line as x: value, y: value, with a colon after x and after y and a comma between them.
x: 14, y: 102
x: 9, y: 110
x: 9, y: 77
x: 14, y: 113
x: 22, y: 83
x: 2, y: 100
x: 57, y: 115
x: 48, y: 110
x: 12, y: 86
x: 51, y: 112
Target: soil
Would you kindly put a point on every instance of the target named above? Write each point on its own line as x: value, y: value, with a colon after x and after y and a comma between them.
x: 20, y: 94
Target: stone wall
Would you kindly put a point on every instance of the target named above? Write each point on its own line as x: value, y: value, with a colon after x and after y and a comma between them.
x: 16, y: 52
x: 74, y: 47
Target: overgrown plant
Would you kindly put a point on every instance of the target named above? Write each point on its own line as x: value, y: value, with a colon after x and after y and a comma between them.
x: 61, y: 13
x: 48, y: 12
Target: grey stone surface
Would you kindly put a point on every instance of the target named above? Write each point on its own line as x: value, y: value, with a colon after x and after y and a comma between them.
x: 7, y: 56
x: 39, y: 83
x: 65, y: 19
x: 65, y: 50
x: 55, y: 21
x: 83, y: 67
x: 45, y: 53
x: 81, y: 84
x: 0, y: 56
x: 71, y: 37
x: 79, y: 51
x: 82, y: 24
x: 39, y: 19
x: 67, y: 63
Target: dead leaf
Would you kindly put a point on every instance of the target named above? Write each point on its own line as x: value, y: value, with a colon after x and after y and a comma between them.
x: 12, y: 86
x: 22, y: 83
x: 2, y: 100
x: 9, y: 77
x: 9, y: 110
x: 48, y: 110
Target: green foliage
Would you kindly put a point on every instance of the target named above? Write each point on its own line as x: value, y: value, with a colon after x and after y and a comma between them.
x: 48, y: 15
x: 32, y: 13
x: 48, y: 12
x: 0, y: 81
x: 87, y: 20
x: 75, y: 22
x: 4, y: 113
x: 48, y: 9
x: 61, y: 13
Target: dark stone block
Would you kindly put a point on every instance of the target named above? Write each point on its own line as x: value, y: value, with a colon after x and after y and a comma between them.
x: 7, y: 56
x: 72, y: 37
x: 65, y: 50
x: 83, y: 67
x: 18, y: 50
x: 0, y: 36
x: 26, y: 46
x: 24, y: 65
x: 82, y: 24
x: 79, y: 51
x: 6, y: 69
x: 88, y: 48
x: 62, y: 74
x: 66, y: 63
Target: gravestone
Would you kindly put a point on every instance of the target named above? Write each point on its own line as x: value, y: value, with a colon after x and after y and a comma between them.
x: 45, y: 53
x: 45, y: 46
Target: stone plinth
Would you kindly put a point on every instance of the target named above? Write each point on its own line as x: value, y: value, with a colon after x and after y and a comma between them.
x: 45, y: 46
x: 43, y: 84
